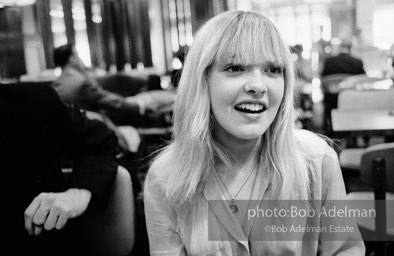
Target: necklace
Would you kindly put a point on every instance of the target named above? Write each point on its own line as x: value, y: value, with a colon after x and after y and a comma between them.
x: 233, y: 206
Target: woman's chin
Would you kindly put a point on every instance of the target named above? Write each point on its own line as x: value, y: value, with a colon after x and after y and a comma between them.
x: 248, y: 135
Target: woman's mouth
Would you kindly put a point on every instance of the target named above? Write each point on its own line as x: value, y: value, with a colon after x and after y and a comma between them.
x: 250, y: 108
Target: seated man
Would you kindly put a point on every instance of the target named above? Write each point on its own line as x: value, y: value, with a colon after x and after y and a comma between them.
x: 36, y: 131
x: 78, y: 85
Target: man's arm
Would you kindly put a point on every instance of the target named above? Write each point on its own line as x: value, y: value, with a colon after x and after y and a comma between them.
x: 83, y: 89
x: 93, y: 149
x: 93, y: 95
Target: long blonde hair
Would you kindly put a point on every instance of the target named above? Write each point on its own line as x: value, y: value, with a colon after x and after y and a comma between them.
x: 242, y: 37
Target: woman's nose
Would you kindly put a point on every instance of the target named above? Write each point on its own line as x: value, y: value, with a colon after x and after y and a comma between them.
x: 256, y: 84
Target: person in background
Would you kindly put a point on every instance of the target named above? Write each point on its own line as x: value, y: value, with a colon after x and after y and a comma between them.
x: 343, y: 62
x: 323, y: 48
x: 78, y: 85
x: 37, y: 133
x: 235, y: 146
x: 303, y: 95
x: 302, y: 66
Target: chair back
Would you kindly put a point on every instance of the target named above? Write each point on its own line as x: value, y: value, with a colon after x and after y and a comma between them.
x: 109, y: 231
x: 383, y: 151
x: 330, y: 87
x: 365, y: 99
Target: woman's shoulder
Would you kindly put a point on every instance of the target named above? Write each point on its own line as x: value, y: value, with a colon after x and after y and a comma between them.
x: 158, y: 170
x: 312, y: 144
x: 327, y: 178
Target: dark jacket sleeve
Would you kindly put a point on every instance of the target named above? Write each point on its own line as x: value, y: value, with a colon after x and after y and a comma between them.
x: 92, y: 148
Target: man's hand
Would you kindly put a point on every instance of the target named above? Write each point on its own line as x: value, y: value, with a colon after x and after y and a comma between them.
x: 158, y: 101
x: 53, y: 210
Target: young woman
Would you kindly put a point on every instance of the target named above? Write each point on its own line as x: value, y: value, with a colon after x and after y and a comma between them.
x: 234, y: 140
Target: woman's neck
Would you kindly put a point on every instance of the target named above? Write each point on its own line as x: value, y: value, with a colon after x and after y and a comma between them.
x: 243, y: 151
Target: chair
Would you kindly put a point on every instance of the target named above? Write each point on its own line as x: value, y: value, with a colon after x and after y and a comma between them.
x: 350, y: 158
x: 377, y: 170
x: 109, y: 231
x: 365, y: 99
x: 330, y: 88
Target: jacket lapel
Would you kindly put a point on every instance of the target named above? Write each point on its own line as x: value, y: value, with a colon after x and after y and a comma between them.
x: 219, y: 211
x: 259, y: 192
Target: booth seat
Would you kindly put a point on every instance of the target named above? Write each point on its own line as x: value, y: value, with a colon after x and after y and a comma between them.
x: 109, y: 231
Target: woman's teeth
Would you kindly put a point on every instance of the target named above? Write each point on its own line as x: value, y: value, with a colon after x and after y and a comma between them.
x: 250, y: 108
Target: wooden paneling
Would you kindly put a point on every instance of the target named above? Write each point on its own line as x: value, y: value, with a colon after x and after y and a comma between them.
x: 44, y: 21
x: 145, y: 35
x: 122, y: 37
x: 12, y: 60
x: 91, y: 32
x: 68, y: 20
x: 125, y: 31
x: 132, y: 17
x: 130, y: 28
x: 137, y: 19
x: 117, y: 28
x: 166, y: 33
x: 109, y: 42
x: 202, y: 10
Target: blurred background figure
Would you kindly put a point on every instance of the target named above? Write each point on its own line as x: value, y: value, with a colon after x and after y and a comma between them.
x: 302, y: 65
x: 303, y: 96
x: 78, y: 85
x: 336, y: 68
x: 342, y: 62
x: 323, y: 49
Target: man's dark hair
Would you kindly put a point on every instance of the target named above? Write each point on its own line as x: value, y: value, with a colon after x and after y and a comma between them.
x: 62, y: 54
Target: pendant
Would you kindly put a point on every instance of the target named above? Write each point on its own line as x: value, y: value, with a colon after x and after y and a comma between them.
x: 233, y: 207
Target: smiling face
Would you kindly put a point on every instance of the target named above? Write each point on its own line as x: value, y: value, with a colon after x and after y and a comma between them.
x: 236, y: 75
x: 245, y: 98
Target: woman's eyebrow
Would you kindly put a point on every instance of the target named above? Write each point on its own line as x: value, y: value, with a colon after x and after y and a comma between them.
x: 274, y: 63
x: 227, y: 62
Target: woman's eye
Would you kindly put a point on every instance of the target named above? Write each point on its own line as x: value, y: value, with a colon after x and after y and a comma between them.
x: 275, y: 70
x: 233, y: 68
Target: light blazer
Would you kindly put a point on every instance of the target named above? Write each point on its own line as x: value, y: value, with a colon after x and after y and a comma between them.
x: 208, y: 217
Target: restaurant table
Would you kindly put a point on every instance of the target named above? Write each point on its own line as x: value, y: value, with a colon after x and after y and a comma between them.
x: 368, y: 122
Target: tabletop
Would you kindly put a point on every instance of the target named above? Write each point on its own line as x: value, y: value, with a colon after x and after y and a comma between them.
x: 363, y: 121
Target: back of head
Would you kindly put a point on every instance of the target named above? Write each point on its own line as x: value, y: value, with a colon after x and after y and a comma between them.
x: 62, y: 54
x: 346, y: 46
x: 297, y: 49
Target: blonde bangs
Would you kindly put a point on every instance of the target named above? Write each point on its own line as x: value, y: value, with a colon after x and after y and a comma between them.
x: 264, y: 43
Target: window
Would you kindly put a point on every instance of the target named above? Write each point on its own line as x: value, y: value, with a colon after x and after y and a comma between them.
x: 383, y: 21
